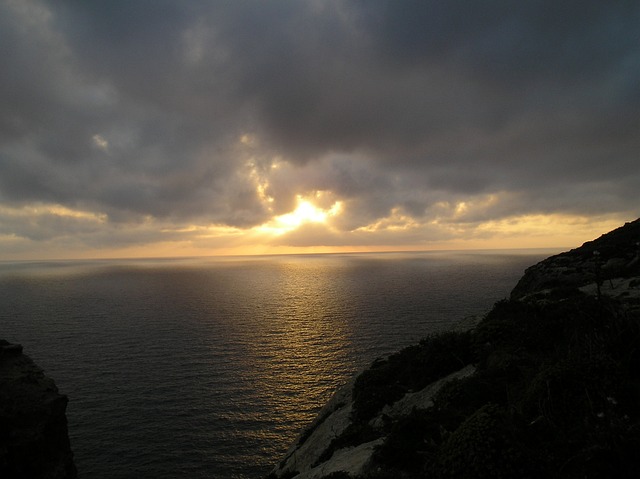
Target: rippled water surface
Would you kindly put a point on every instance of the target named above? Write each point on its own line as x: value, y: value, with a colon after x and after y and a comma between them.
x: 210, y: 367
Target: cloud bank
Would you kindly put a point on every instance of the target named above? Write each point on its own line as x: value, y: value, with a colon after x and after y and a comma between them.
x: 129, y: 124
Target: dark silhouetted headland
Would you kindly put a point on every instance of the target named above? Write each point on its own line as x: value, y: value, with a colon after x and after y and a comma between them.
x: 34, y: 442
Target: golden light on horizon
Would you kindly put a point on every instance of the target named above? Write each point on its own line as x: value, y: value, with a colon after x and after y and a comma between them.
x: 309, y: 227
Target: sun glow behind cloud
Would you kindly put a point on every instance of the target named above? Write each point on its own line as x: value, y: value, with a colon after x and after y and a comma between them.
x: 305, y: 212
x: 317, y: 221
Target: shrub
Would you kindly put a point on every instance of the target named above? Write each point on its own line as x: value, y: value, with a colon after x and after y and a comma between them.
x: 406, y: 443
x: 571, y: 393
x: 464, y: 396
x: 485, y: 446
x: 412, y: 368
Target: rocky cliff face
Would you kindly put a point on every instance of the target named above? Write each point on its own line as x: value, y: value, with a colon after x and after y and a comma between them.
x: 34, y: 443
x: 611, y: 263
x: 546, y: 385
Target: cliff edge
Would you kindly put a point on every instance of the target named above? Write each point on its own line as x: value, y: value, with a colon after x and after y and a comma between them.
x: 34, y: 441
x: 546, y: 385
x: 609, y: 263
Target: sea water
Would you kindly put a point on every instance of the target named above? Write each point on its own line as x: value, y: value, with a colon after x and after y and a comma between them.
x: 209, y: 368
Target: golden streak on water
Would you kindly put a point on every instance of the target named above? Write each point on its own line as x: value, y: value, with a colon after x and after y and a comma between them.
x: 177, y: 368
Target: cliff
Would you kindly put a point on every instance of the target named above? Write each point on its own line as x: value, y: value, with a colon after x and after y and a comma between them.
x: 546, y: 385
x: 34, y: 443
x: 610, y: 263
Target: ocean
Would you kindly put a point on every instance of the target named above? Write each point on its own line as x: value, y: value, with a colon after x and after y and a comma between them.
x: 209, y: 368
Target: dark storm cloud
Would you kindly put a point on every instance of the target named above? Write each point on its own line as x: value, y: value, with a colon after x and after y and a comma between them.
x: 403, y: 74
x: 505, y: 40
x: 136, y: 109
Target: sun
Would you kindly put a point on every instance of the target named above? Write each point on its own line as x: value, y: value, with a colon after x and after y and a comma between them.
x: 305, y: 212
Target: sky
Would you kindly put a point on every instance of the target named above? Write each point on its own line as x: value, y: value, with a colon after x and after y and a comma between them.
x: 171, y: 128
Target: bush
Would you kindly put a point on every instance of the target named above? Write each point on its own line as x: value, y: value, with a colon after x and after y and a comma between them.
x: 407, y: 442
x: 464, y: 396
x: 485, y: 446
x: 571, y: 393
x: 411, y: 369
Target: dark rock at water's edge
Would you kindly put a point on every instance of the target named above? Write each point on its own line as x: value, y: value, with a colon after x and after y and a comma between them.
x: 34, y: 441
x: 546, y: 385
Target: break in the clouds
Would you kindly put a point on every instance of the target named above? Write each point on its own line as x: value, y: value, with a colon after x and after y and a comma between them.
x: 406, y: 123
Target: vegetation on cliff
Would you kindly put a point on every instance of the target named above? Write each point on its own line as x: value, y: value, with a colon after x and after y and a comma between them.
x: 556, y: 394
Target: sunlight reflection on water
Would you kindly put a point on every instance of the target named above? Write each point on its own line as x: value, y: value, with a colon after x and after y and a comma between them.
x: 209, y: 368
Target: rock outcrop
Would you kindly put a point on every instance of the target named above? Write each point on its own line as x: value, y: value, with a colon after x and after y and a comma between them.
x: 546, y: 385
x: 611, y: 263
x: 34, y: 442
